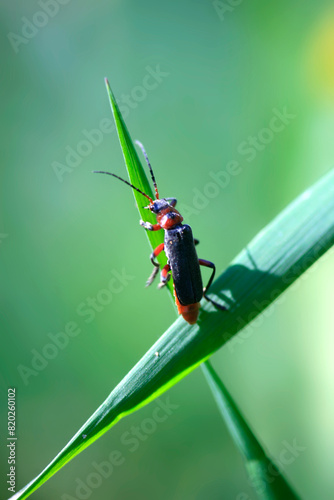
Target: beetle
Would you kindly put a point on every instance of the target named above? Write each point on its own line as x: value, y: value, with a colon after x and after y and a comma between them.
x: 179, y: 246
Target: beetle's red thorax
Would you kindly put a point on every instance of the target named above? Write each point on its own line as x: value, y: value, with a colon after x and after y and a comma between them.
x: 169, y: 217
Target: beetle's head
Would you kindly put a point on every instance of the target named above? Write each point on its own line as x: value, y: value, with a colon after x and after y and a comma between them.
x: 157, y: 205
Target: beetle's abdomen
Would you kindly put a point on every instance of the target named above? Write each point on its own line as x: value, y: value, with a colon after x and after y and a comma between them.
x: 183, y: 260
x: 189, y: 312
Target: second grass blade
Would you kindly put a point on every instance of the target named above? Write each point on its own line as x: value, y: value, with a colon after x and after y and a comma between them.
x: 259, y: 466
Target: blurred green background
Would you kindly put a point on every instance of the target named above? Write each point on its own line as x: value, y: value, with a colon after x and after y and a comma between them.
x: 220, y: 69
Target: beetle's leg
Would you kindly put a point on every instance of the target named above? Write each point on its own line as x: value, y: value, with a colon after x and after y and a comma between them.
x: 164, y: 276
x: 152, y: 276
x: 149, y: 226
x: 156, y: 265
x: 196, y: 241
x: 171, y: 201
x: 211, y: 265
x: 155, y: 253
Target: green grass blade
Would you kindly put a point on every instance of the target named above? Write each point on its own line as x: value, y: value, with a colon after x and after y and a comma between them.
x: 137, y: 177
x: 278, y: 255
x: 259, y: 467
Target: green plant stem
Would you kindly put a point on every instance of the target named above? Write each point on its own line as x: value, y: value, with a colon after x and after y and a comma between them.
x: 264, y: 476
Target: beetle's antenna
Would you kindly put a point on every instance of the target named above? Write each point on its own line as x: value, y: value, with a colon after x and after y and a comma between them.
x: 126, y: 182
x: 149, y: 166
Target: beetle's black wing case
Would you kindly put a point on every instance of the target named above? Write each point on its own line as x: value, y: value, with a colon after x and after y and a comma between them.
x: 183, y: 260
